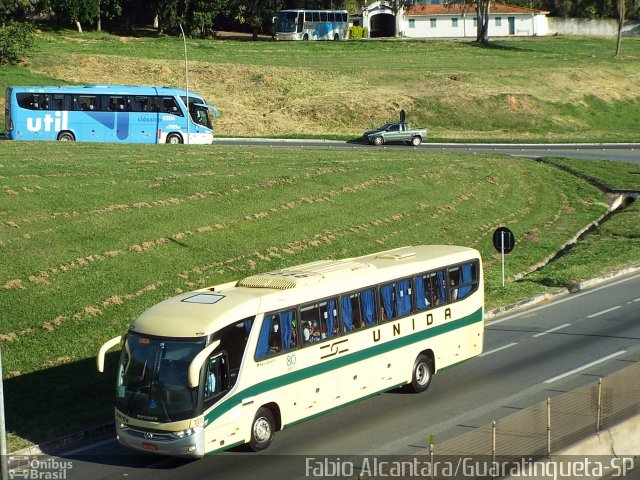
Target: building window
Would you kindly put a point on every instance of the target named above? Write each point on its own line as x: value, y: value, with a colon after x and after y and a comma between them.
x: 475, y: 22
x: 412, y: 23
x: 454, y: 22
x: 498, y: 21
x: 432, y: 22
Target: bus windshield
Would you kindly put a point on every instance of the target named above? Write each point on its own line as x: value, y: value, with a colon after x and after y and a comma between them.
x: 286, y: 22
x: 152, y: 379
x: 198, y: 111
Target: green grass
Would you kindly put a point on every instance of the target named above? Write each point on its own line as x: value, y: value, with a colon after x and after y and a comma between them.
x: 91, y: 235
x: 521, y: 89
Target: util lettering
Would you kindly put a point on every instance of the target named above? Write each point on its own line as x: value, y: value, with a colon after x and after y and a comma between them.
x: 59, y: 120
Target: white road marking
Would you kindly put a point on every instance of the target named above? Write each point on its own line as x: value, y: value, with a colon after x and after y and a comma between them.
x: 551, y: 330
x: 497, y: 349
x: 604, y: 311
x: 584, y: 367
x: 561, y: 300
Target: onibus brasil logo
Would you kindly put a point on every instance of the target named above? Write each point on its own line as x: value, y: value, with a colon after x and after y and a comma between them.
x: 38, y: 468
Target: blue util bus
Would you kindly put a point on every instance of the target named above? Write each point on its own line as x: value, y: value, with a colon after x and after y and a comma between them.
x: 108, y: 113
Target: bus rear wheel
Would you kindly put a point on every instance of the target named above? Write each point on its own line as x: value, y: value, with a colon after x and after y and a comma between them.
x: 66, y: 137
x: 174, y: 139
x: 336, y: 37
x: 263, y: 429
x: 422, y: 374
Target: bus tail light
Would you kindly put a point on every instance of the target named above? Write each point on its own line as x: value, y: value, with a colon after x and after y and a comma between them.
x: 10, y: 127
x: 159, y: 134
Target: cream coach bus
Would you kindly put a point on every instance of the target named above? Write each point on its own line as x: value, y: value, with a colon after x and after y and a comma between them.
x: 232, y: 364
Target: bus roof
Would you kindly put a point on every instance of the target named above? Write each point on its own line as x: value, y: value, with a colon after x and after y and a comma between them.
x: 204, y: 311
x: 104, y: 89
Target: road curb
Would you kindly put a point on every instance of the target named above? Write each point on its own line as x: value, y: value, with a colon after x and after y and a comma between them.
x: 73, y: 439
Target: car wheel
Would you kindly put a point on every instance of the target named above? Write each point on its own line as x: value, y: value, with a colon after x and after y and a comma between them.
x: 378, y: 141
x: 415, y: 141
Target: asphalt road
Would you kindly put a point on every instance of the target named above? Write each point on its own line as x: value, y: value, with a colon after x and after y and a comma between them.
x: 627, y: 152
x: 528, y: 356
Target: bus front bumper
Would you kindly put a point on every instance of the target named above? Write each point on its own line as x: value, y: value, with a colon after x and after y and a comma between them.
x: 161, y: 443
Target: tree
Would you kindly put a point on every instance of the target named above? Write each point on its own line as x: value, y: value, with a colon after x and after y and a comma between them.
x: 77, y: 11
x: 482, y: 14
x: 17, y: 40
x: 256, y: 13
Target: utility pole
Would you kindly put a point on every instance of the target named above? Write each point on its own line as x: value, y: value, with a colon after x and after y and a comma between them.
x: 186, y: 79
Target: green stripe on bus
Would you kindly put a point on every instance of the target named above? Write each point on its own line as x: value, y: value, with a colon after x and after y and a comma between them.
x: 342, y: 361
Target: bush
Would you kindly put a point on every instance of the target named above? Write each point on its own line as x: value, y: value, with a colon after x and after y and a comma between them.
x: 17, y: 40
x: 356, y: 32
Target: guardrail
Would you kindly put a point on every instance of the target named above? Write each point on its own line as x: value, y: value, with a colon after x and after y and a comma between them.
x: 536, y: 432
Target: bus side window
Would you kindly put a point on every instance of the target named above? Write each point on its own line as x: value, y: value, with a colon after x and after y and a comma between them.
x: 468, y: 279
x: 396, y: 299
x: 453, y: 274
x: 87, y: 102
x: 318, y: 321
x: 387, y: 295
x: 58, y: 101
x: 169, y: 105
x: 277, y: 334
x: 25, y: 100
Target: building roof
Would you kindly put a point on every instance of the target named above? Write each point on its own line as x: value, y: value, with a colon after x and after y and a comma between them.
x: 460, y: 9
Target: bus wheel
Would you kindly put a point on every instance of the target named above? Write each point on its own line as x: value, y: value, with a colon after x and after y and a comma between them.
x: 422, y: 373
x: 306, y: 36
x: 336, y: 37
x: 66, y: 137
x: 262, y: 430
x: 378, y: 141
x: 174, y: 138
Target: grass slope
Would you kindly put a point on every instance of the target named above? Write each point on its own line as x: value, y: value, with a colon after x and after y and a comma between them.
x: 527, y: 89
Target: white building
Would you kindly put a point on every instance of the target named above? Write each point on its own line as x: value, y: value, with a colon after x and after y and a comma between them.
x: 452, y: 21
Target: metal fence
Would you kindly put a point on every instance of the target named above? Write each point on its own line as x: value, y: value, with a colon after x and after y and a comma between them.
x: 539, y: 431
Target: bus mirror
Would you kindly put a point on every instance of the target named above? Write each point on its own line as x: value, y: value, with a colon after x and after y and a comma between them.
x: 103, y: 351
x: 197, y: 362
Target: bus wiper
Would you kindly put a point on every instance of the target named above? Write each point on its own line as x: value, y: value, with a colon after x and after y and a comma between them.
x: 161, y: 391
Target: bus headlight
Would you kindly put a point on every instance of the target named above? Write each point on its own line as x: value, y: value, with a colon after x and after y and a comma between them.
x: 188, y: 432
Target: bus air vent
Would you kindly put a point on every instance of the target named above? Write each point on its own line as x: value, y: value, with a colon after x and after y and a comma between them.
x: 396, y: 255
x: 267, y: 281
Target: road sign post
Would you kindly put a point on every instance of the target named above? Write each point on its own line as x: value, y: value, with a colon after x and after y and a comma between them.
x: 504, y: 240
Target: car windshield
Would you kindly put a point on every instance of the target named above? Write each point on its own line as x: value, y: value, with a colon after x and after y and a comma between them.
x: 152, y: 379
